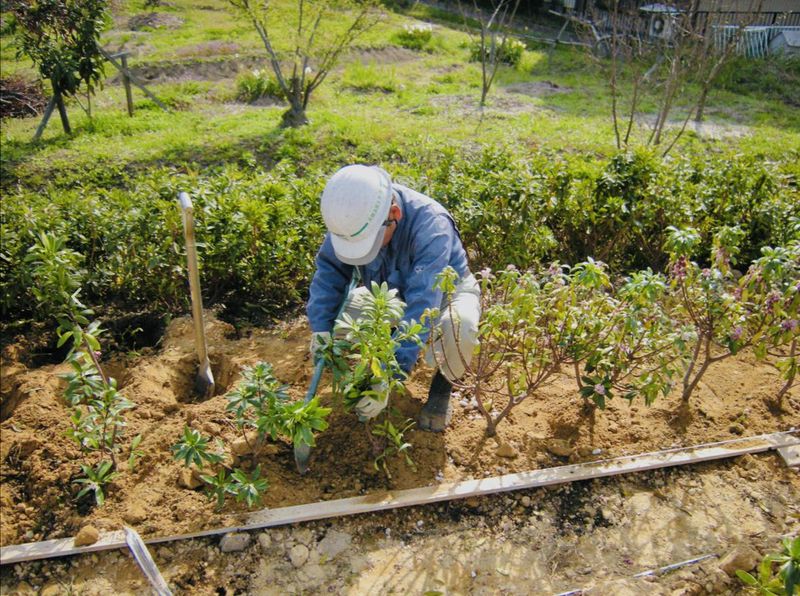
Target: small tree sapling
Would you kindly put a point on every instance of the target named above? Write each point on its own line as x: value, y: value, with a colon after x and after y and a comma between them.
x: 636, y: 350
x: 523, y: 333
x: 364, y: 364
x: 97, y: 405
x: 724, y: 316
x: 260, y: 402
x: 772, y: 284
x: 362, y: 353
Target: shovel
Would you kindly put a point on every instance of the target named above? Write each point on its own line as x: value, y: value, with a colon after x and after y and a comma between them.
x: 302, y: 451
x: 204, y: 383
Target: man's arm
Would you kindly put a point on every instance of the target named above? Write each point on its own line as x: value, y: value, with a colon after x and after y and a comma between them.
x: 327, y: 288
x: 432, y: 248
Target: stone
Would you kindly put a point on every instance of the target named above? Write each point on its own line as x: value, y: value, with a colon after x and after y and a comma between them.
x: 298, y: 555
x: 560, y: 447
x: 265, y: 541
x: 303, y: 536
x: 315, y: 573
x: 741, y: 557
x: 86, y: 536
x: 135, y: 513
x: 525, y: 501
x: 234, y: 542
x: 507, y: 451
x: 334, y: 543
x: 189, y: 479
x: 51, y: 590
x: 241, y: 447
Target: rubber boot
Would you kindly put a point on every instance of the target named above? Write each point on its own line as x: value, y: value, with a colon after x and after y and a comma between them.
x: 435, y: 414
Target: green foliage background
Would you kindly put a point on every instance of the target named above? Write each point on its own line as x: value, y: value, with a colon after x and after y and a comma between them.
x: 532, y: 179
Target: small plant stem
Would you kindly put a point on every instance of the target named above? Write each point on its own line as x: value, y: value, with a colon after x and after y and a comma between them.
x: 687, y: 390
x: 577, y: 374
x: 790, y: 380
x: 107, y: 383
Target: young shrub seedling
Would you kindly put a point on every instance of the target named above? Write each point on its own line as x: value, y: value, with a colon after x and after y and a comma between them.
x: 727, y: 316
x: 523, y: 333
x: 362, y: 358
x: 634, y: 349
x: 395, y: 444
x: 258, y: 402
x: 97, y: 406
x: 773, y: 284
x: 362, y: 353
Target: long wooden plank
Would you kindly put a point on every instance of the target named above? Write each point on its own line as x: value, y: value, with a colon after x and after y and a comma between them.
x: 267, y: 518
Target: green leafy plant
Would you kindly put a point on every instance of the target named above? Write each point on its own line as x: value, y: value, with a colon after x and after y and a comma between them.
x: 362, y: 353
x: 97, y: 405
x: 771, y: 283
x: 248, y: 487
x: 193, y: 448
x: 253, y: 85
x: 395, y: 444
x: 772, y: 582
x: 219, y: 486
x: 61, y: 38
x: 95, y: 479
x: 629, y: 344
x: 258, y: 402
x: 726, y: 315
x: 416, y: 36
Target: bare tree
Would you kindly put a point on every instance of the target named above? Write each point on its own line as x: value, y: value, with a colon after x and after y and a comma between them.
x: 661, y: 67
x: 316, y: 49
x: 495, y: 41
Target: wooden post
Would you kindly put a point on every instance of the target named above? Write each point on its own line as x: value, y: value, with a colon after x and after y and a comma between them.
x: 62, y: 111
x: 47, y: 113
x: 126, y: 80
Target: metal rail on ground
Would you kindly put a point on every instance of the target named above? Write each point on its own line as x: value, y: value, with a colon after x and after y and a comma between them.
x: 785, y: 442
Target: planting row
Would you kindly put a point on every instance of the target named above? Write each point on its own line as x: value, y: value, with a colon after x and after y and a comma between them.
x: 637, y: 338
x: 259, y: 230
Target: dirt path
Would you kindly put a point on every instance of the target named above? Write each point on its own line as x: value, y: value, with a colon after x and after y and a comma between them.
x: 591, y: 535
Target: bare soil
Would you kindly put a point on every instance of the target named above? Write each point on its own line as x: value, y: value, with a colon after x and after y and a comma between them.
x: 38, y: 462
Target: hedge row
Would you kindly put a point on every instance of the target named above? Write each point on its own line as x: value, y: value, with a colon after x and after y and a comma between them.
x: 260, y: 229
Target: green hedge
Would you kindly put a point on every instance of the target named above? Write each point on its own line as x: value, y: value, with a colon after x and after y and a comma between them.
x: 260, y: 230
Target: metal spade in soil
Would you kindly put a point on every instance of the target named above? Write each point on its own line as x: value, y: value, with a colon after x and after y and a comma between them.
x: 204, y: 383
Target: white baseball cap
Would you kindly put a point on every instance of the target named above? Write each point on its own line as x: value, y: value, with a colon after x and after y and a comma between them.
x: 354, y: 205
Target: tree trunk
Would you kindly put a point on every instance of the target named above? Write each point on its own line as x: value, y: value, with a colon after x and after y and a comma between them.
x: 701, y: 105
x: 62, y: 111
x: 294, y: 117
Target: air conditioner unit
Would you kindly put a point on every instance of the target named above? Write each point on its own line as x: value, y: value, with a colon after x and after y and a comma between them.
x: 661, y: 25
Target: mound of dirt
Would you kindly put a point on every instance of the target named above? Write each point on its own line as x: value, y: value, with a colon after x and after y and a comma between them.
x: 154, y: 20
x: 38, y: 463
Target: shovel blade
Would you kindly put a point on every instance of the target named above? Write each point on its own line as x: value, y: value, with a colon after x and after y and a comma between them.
x: 301, y: 455
x: 204, y: 382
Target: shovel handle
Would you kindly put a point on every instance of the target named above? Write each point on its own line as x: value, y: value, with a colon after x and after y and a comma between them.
x: 187, y: 211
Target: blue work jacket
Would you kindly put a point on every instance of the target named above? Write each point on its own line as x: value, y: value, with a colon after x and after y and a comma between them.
x: 423, y: 244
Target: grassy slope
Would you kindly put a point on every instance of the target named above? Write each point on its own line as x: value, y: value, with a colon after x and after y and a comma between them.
x: 370, y: 108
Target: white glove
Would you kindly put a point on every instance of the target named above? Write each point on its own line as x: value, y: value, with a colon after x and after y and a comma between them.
x: 319, y: 340
x: 370, y: 406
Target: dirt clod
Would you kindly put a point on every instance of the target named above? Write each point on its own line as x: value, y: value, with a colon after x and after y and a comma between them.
x: 298, y: 555
x: 742, y: 557
x: 560, y: 448
x: 87, y: 535
x: 507, y: 451
x: 234, y: 542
